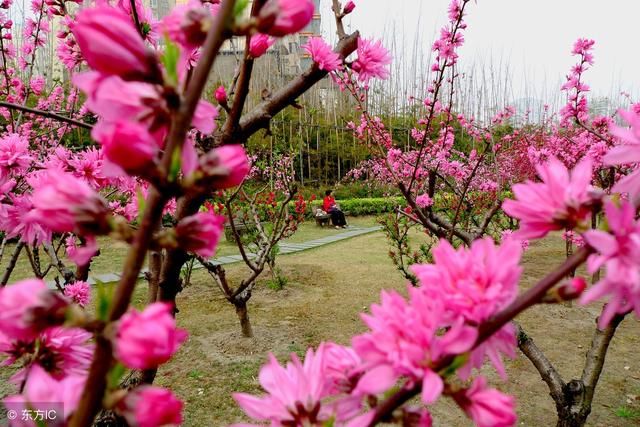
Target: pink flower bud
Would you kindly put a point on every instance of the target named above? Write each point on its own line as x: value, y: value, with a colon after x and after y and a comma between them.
x: 65, y: 203
x: 150, y: 406
x: 126, y: 144
x: 226, y: 166
x: 221, y: 95
x: 281, y: 17
x: 111, y: 44
x: 348, y: 8
x: 21, y: 302
x: 259, y: 44
x: 200, y: 233
x: 147, y: 339
x: 487, y: 407
x: 572, y: 289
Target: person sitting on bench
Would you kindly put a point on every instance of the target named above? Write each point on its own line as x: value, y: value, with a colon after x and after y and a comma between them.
x: 337, y: 216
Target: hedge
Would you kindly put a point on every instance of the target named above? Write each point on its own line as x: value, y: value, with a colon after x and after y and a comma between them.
x: 368, y: 206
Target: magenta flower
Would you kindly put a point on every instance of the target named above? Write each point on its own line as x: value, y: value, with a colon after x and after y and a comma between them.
x: 322, y: 54
x: 147, y: 339
x: 487, y: 407
x: 372, y: 60
x: 562, y: 200
x: 41, y: 389
x: 259, y: 45
x: 627, y: 153
x: 204, y: 118
x: 17, y: 303
x: 78, y: 292
x: 127, y: 145
x: 200, y: 233
x: 151, y: 406
x: 65, y: 203
x: 296, y: 394
x: 281, y: 17
x: 187, y: 24
x: 221, y: 95
x: 226, y: 166
x: 475, y: 284
x: 405, y: 340
x: 619, y: 252
x: 424, y: 201
x: 349, y: 7
x: 14, y: 155
x: 111, y: 44
x: 343, y: 368
x: 82, y: 254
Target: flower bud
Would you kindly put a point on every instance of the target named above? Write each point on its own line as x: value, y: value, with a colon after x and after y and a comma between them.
x: 259, y: 45
x: 221, y: 95
x: 225, y: 167
x: 348, y: 8
x: 111, y: 44
x: 147, y: 339
x: 129, y: 145
x: 151, y: 406
x: 200, y: 233
x: 64, y: 203
x: 281, y: 17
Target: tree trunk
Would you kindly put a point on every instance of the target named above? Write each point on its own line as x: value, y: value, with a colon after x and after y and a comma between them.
x: 243, y: 316
x: 574, y: 410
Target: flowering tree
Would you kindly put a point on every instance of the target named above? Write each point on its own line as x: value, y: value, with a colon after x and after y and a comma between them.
x: 265, y: 221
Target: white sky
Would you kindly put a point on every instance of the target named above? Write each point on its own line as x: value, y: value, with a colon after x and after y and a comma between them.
x: 534, y: 36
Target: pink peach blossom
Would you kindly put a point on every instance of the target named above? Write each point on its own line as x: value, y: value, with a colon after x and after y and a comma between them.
x: 200, y: 233
x: 259, y: 45
x: 110, y: 43
x: 322, y: 54
x: 151, y: 406
x: 227, y: 166
x: 149, y: 338
x: 373, y: 60
x: 618, y: 251
x: 562, y: 200
x: 487, y: 407
x: 284, y: 17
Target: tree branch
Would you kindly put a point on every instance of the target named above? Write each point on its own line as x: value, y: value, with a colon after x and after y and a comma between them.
x: 47, y: 114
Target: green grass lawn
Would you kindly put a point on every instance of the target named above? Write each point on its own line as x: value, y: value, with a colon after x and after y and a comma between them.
x: 112, y: 254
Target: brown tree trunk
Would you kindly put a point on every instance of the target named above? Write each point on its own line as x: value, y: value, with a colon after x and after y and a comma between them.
x: 243, y: 316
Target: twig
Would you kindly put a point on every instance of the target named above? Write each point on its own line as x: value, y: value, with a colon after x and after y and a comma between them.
x: 48, y: 114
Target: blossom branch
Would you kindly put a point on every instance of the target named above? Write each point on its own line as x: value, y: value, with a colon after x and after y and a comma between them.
x: 48, y: 114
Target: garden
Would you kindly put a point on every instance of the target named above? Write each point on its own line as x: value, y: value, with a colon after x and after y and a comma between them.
x: 219, y: 215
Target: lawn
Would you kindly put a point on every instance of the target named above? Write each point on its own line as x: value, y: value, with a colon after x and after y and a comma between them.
x: 327, y: 288
x: 112, y: 254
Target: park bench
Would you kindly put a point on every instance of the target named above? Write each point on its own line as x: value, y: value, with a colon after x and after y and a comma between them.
x: 322, y: 219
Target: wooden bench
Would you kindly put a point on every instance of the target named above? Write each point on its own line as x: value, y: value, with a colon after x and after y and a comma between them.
x: 321, y: 219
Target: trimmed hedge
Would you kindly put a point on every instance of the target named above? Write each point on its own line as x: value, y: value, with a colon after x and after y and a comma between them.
x: 369, y: 206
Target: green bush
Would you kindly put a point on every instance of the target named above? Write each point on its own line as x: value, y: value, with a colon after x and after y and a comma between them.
x: 368, y: 206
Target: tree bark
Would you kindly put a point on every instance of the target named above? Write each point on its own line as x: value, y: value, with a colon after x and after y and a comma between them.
x: 243, y: 316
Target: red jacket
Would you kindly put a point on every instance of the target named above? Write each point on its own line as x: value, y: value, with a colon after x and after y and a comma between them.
x: 328, y: 203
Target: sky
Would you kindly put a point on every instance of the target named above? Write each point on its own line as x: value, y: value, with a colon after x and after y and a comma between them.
x: 534, y: 37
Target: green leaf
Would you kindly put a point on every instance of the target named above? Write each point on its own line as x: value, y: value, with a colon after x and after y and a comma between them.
x: 141, y: 204
x: 103, y: 302
x: 170, y: 59
x: 239, y: 7
x: 457, y: 363
x: 176, y: 164
x: 115, y: 375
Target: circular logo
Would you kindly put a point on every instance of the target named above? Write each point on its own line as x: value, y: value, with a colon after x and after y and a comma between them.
x: 11, y: 414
